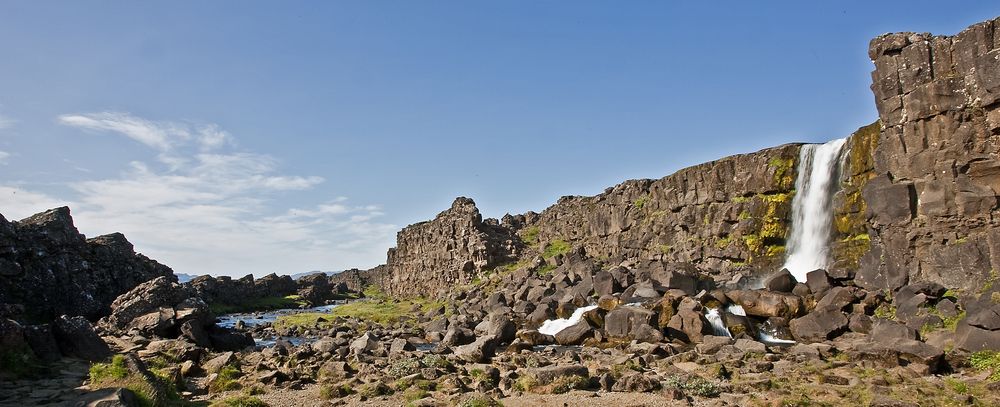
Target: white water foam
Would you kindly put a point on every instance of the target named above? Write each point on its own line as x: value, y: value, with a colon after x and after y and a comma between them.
x: 718, y: 326
x: 554, y: 326
x: 812, y: 208
x: 736, y: 309
x: 768, y: 338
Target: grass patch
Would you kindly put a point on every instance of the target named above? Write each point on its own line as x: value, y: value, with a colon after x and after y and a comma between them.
x: 555, y: 248
x: 117, y: 374
x: 546, y: 269
x: 240, y: 401
x: 530, y: 236
x: 259, y: 304
x: 886, y: 311
x: 379, y: 310
x: 226, y: 380
x: 956, y: 385
x: 987, y: 360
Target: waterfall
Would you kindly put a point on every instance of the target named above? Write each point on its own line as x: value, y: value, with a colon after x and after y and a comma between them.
x: 554, y: 326
x: 718, y: 326
x: 812, y: 208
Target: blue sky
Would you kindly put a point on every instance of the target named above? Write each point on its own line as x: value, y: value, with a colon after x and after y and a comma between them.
x: 235, y: 137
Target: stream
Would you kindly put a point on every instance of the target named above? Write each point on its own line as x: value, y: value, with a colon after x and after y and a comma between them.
x: 254, y: 319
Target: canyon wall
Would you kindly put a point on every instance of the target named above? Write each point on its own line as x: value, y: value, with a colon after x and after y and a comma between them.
x: 932, y: 204
x: 50, y: 269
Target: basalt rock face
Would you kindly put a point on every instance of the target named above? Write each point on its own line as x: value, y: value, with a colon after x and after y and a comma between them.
x: 226, y: 290
x: 430, y: 258
x: 51, y: 269
x: 932, y: 201
x: 725, y: 215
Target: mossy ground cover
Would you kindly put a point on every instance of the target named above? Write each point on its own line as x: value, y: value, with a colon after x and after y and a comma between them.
x: 379, y: 310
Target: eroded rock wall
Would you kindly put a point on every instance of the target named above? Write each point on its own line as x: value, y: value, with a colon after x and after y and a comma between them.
x: 725, y: 215
x: 430, y: 258
x: 932, y: 204
x: 51, y: 269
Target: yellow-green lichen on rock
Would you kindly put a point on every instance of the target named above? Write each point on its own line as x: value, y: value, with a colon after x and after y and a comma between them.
x: 852, y: 240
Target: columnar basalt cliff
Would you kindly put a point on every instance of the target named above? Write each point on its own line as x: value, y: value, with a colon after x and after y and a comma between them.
x: 725, y: 215
x: 932, y: 205
x: 51, y: 269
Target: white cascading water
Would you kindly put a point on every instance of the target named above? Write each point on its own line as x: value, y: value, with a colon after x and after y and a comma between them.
x: 554, y: 326
x: 718, y: 326
x: 812, y: 208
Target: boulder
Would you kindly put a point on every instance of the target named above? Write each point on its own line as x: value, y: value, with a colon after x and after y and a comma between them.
x: 548, y: 374
x: 605, y: 284
x: 42, y: 342
x: 819, y: 326
x: 226, y: 340
x: 679, y: 276
x: 142, y: 300
x: 366, y: 343
x: 623, y: 322
x: 479, y: 351
x: 836, y: 298
x: 214, y: 365
x: 109, y: 397
x: 400, y: 345
x: 689, y: 326
x: 575, y: 334
x: 886, y: 331
x: 782, y: 281
x: 498, y: 325
x: 818, y: 281
x: 764, y: 303
x: 635, y: 383
x: 76, y: 337
x: 533, y: 337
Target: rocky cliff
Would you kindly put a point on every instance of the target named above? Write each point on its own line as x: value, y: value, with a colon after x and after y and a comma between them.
x: 50, y: 269
x: 932, y: 205
x: 432, y: 257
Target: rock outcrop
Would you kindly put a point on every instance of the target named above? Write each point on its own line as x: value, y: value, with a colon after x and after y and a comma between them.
x: 51, y: 269
x: 933, y: 202
x: 432, y: 257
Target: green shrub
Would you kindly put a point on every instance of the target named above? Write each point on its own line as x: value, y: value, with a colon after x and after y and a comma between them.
x: 695, y: 385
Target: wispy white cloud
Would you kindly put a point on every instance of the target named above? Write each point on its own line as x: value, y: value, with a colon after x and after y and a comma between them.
x: 201, y: 208
x: 6, y: 122
x: 3, y: 157
x: 160, y: 135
